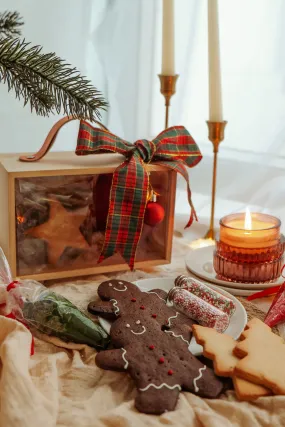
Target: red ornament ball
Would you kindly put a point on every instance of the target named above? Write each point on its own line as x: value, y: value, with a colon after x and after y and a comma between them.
x: 154, y: 214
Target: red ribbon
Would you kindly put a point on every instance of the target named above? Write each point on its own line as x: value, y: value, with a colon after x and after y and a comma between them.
x: 267, y: 292
x: 264, y: 293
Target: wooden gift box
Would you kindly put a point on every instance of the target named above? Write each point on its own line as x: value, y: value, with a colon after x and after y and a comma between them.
x: 23, y: 184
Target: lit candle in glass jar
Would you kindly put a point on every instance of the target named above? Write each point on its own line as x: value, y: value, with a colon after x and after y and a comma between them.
x: 250, y: 248
x: 248, y: 230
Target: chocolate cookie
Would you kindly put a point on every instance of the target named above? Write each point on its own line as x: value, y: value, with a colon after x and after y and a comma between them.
x: 151, y: 343
x: 122, y: 298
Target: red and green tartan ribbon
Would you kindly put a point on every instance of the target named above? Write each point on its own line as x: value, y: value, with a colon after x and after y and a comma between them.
x: 173, y: 148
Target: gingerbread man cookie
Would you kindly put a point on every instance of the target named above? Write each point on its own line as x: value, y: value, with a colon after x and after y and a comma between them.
x: 160, y: 364
x: 120, y: 298
x: 151, y: 343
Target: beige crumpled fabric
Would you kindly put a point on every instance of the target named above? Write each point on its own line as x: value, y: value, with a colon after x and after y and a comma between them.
x: 61, y: 386
x: 22, y: 402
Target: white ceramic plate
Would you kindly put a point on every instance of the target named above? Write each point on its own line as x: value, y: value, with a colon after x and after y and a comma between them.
x: 200, y: 263
x: 238, y: 319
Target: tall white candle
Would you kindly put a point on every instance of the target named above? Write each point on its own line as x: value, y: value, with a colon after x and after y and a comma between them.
x: 215, y: 87
x: 167, y: 68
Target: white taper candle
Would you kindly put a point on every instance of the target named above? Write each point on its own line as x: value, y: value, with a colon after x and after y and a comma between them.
x: 215, y: 87
x: 167, y: 68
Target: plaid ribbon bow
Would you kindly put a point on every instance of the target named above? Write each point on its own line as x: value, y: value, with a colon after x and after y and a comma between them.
x: 173, y: 148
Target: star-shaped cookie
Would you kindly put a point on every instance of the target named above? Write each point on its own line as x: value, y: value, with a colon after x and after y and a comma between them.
x: 60, y: 231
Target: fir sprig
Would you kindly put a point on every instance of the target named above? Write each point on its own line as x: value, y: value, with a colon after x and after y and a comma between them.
x: 47, y: 82
x: 10, y: 23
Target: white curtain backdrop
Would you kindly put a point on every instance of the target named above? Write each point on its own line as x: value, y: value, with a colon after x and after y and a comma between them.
x: 251, y: 166
x: 117, y: 44
x: 67, y: 27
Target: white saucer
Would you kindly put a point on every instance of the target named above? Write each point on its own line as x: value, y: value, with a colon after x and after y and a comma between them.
x: 237, y: 322
x: 200, y: 263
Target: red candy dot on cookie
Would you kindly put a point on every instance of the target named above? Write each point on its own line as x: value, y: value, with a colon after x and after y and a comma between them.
x: 151, y: 347
x: 154, y: 316
x: 161, y: 360
x: 133, y: 299
x: 170, y: 372
x: 142, y: 307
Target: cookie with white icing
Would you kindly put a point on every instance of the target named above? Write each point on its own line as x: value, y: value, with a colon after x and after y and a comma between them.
x: 119, y: 297
x: 151, y: 343
x: 160, y: 365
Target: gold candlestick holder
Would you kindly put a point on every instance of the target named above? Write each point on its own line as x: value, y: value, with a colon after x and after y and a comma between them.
x: 216, y: 136
x: 167, y: 88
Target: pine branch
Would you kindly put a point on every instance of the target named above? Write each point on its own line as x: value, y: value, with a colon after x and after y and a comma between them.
x: 10, y: 23
x: 47, y: 82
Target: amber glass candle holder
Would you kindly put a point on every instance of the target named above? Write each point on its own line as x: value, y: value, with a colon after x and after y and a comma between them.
x: 252, y: 255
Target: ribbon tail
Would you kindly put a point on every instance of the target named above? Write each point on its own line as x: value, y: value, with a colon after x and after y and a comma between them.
x: 128, y: 198
x: 179, y: 167
x: 192, y: 217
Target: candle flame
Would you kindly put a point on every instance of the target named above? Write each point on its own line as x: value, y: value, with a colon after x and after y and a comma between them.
x: 247, y: 220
